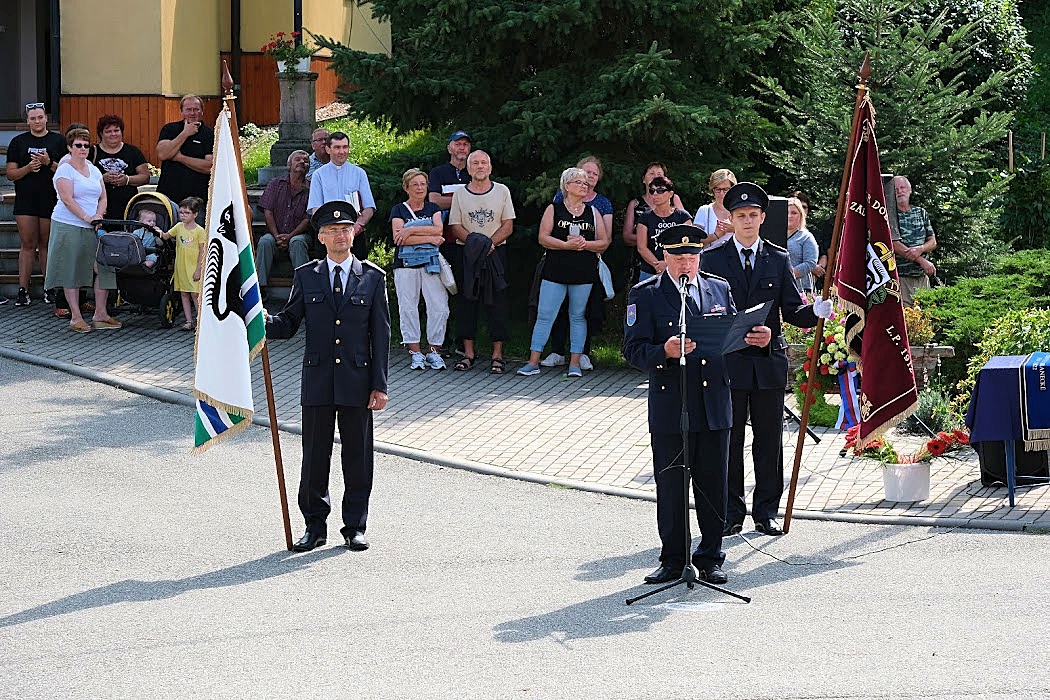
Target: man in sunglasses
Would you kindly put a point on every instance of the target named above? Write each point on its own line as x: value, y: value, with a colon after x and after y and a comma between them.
x: 758, y: 271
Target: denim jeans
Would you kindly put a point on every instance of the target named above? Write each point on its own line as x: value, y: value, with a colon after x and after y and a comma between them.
x: 552, y: 295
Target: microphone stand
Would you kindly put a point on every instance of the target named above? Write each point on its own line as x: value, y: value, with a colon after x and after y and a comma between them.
x: 689, y: 576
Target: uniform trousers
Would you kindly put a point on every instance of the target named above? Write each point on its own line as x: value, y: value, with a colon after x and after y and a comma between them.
x: 355, y: 436
x: 766, y: 408
x: 708, y: 459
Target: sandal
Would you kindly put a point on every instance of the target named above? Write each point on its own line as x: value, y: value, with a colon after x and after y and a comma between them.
x: 466, y: 363
x: 498, y: 365
x: 188, y: 326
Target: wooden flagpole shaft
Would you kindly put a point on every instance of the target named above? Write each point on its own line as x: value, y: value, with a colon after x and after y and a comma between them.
x: 228, y: 98
x: 840, y: 212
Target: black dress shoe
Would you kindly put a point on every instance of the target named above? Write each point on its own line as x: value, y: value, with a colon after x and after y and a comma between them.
x: 356, y: 541
x: 311, y: 540
x: 768, y: 526
x: 663, y: 575
x: 713, y: 574
x: 731, y: 529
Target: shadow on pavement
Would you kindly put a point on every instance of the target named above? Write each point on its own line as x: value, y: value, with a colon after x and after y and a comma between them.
x: 131, y: 591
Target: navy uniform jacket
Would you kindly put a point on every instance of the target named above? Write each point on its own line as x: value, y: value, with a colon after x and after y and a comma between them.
x: 652, y: 320
x: 771, y: 279
x: 347, y: 349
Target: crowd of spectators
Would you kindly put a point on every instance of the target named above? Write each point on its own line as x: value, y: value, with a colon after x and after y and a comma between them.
x: 456, y: 216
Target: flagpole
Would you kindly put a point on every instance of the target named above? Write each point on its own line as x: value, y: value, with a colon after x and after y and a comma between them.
x: 228, y: 98
x: 862, y: 91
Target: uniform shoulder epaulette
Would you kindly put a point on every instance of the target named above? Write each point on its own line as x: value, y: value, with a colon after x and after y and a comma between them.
x: 308, y: 264
x: 774, y: 246
x: 651, y: 280
x: 374, y: 267
x: 712, y: 276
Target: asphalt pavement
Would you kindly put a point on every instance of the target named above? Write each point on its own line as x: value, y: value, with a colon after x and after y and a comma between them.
x: 136, y: 570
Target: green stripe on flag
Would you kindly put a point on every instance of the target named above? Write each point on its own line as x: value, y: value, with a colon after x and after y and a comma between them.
x: 247, y: 261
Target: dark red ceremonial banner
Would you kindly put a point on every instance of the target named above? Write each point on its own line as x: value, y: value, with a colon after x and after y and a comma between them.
x: 867, y: 287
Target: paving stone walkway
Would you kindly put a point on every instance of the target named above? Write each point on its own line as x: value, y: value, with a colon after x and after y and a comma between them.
x: 591, y: 430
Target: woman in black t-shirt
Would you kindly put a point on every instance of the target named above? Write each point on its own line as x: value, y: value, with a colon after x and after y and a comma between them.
x: 123, y: 166
x: 635, y: 209
x: 651, y: 224
x: 32, y: 158
x: 573, y: 234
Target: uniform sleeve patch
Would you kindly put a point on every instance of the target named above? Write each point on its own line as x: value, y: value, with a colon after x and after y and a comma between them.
x: 632, y: 314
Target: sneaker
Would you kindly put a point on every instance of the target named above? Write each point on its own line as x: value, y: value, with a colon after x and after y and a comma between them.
x: 3, y: 300
x: 434, y: 360
x: 23, y: 297
x: 574, y: 372
x: 554, y: 360
x: 418, y: 361
x: 49, y: 297
x: 529, y: 370
x: 585, y: 364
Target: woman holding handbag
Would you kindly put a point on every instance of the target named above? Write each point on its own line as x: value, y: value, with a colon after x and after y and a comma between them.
x: 418, y: 231
x: 573, y: 234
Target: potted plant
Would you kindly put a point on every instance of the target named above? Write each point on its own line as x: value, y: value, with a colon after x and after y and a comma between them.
x: 291, y: 57
x: 906, y: 477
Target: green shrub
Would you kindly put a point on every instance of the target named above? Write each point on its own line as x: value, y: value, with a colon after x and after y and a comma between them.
x: 936, y: 412
x: 966, y: 309
x: 1026, y: 214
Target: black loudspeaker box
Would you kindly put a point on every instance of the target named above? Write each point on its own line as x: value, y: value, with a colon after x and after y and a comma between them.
x: 1032, y: 467
x: 775, y: 227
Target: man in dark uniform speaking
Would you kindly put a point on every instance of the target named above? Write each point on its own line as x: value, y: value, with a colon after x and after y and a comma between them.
x: 651, y: 343
x: 343, y: 301
x: 758, y: 271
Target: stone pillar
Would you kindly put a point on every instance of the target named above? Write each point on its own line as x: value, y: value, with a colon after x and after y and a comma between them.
x: 298, y: 109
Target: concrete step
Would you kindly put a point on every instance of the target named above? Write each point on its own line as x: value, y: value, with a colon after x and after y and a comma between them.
x: 9, y: 285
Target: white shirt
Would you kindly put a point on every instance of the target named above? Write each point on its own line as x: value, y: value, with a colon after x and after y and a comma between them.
x: 87, y: 191
x: 338, y: 183
x: 693, y: 290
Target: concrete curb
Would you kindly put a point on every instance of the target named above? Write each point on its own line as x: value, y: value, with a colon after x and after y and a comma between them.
x: 175, y: 397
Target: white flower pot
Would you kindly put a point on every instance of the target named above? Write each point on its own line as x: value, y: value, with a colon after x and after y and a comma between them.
x: 302, y: 65
x: 906, y: 482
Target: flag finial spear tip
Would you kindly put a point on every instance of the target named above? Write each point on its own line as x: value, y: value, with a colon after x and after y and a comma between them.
x: 865, y: 69
x: 227, y: 79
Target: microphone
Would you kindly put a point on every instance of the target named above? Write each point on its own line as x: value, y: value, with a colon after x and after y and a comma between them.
x: 683, y: 289
x: 683, y: 282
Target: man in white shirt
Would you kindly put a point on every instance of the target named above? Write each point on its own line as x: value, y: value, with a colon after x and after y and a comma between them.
x: 339, y: 181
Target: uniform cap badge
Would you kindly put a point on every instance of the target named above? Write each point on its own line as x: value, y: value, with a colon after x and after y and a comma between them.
x: 743, y: 195
x: 632, y: 314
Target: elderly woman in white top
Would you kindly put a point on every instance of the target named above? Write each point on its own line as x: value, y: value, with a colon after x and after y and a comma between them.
x: 802, y: 246
x: 714, y: 218
x: 71, y: 247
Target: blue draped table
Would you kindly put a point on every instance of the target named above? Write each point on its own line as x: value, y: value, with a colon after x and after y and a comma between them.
x: 995, y: 410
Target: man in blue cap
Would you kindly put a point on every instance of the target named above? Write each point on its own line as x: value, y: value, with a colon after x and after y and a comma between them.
x: 343, y: 303
x: 758, y: 271
x: 651, y: 343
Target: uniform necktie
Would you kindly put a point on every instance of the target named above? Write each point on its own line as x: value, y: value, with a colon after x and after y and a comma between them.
x: 690, y: 302
x: 337, y: 286
x: 747, y: 266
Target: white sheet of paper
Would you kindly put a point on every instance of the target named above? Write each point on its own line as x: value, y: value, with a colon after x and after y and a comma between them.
x: 354, y: 198
x: 449, y: 189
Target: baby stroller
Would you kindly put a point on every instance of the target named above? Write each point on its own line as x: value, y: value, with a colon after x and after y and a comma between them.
x: 143, y: 289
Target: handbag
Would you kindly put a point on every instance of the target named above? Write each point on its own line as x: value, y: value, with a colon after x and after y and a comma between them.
x: 605, y: 275
x: 446, y: 276
x: 119, y: 250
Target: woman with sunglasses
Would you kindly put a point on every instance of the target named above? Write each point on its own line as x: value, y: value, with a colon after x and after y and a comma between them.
x: 635, y: 209
x: 652, y: 223
x: 714, y: 218
x: 32, y: 158
x: 81, y: 202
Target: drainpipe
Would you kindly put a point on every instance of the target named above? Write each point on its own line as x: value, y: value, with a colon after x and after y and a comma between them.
x: 235, y: 54
x: 297, y: 20
x: 55, y: 51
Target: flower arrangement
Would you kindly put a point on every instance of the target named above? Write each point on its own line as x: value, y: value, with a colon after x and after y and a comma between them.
x: 884, y: 451
x: 832, y: 357
x: 283, y: 47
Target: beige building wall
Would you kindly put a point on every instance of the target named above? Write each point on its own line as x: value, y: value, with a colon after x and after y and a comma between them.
x: 131, y: 29
x: 190, y: 40
x: 348, y: 24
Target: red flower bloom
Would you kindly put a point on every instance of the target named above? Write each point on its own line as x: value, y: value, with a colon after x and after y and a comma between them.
x: 961, y: 436
x: 280, y: 34
x: 829, y: 338
x: 806, y: 366
x: 802, y: 387
x: 936, y: 447
x: 823, y: 369
x: 295, y: 35
x: 809, y: 352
